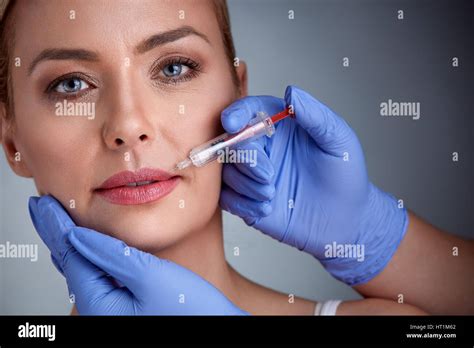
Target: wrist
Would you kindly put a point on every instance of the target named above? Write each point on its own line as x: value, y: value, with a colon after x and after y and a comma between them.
x: 381, y: 229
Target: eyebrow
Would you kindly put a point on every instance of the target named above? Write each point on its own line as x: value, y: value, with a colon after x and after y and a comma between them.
x: 167, y: 37
x: 63, y: 54
x: 91, y: 56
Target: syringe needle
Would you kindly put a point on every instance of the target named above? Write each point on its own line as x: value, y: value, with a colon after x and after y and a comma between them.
x: 209, y: 151
x: 183, y: 164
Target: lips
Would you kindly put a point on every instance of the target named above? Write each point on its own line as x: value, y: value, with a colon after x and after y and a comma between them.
x: 143, y: 186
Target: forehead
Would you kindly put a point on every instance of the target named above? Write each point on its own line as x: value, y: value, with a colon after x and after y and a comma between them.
x: 106, y: 23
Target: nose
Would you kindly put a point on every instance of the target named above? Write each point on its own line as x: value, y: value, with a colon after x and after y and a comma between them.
x: 127, y: 131
x: 128, y: 125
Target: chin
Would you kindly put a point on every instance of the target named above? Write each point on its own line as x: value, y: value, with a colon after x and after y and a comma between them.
x: 149, y: 234
x: 149, y: 230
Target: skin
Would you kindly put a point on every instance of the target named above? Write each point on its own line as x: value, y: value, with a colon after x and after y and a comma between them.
x: 129, y: 103
x: 425, y: 256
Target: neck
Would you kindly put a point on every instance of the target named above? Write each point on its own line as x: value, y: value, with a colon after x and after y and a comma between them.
x: 203, y: 253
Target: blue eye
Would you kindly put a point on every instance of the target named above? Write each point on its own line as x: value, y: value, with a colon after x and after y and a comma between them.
x: 173, y: 70
x: 71, y: 85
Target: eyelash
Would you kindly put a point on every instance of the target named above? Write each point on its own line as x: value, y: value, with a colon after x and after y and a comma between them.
x: 50, y: 90
x: 156, y: 69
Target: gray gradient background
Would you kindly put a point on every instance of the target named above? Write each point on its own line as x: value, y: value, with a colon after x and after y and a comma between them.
x: 408, y: 60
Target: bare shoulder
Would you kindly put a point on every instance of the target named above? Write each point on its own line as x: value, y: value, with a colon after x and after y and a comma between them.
x: 377, y: 306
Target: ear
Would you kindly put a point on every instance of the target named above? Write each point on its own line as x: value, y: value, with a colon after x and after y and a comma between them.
x: 242, y: 76
x: 14, y: 157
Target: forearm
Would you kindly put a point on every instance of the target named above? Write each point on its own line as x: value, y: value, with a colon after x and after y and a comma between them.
x: 430, y: 269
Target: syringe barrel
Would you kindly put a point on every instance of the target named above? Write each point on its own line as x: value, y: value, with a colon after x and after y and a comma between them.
x: 210, y: 151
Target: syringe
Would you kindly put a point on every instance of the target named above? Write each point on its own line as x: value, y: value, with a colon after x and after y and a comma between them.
x: 261, y: 125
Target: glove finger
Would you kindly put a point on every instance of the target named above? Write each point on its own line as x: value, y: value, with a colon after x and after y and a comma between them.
x: 331, y: 132
x: 239, y: 113
x: 56, y: 264
x: 126, y: 264
x: 257, y: 166
x: 93, y: 290
x: 52, y: 224
x: 242, y: 206
x: 247, y: 186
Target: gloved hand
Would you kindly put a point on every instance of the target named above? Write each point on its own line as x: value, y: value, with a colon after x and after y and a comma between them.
x: 310, y: 188
x: 151, y: 286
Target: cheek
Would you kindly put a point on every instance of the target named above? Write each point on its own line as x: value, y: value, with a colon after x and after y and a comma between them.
x: 205, y: 189
x: 51, y: 147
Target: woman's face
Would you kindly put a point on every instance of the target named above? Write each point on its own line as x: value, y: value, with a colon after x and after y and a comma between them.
x: 145, y: 101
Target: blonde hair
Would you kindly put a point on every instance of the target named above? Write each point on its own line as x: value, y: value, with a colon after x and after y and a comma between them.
x: 6, y: 43
x: 6, y: 38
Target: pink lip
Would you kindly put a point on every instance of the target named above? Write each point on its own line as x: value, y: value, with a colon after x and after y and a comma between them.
x: 115, y: 191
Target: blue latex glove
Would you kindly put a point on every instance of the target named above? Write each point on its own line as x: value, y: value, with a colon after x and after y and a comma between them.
x: 151, y: 286
x: 310, y: 186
